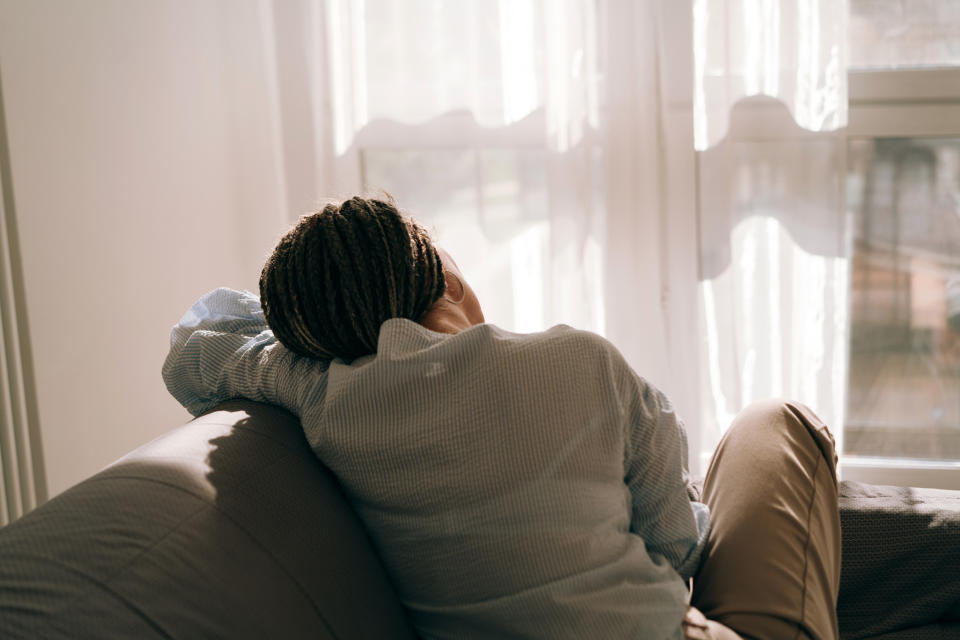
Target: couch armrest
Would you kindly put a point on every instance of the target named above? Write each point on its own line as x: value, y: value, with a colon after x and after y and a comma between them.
x: 225, y: 527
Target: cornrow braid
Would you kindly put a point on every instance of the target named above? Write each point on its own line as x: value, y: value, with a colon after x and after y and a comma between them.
x: 340, y: 273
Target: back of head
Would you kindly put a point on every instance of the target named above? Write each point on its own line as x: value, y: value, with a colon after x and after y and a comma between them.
x: 336, y: 276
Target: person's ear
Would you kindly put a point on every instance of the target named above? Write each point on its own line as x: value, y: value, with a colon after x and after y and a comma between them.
x: 455, y: 292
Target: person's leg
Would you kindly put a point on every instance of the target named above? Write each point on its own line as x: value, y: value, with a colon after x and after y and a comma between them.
x: 771, y: 569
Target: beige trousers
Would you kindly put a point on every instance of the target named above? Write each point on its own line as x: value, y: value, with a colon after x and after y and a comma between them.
x: 771, y: 569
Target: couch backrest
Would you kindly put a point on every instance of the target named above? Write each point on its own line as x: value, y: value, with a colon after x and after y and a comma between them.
x: 226, y: 527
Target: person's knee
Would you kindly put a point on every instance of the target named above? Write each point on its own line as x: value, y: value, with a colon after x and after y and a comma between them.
x: 775, y: 413
x: 776, y: 419
x: 765, y: 415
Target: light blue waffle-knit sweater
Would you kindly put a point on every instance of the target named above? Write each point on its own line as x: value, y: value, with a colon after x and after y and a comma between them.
x: 515, y: 485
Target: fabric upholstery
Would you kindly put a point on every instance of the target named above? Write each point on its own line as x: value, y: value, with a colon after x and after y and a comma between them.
x: 225, y: 527
x: 901, y: 563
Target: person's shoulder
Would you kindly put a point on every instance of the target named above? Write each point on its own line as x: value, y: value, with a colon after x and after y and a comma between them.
x: 565, y: 334
x: 560, y: 342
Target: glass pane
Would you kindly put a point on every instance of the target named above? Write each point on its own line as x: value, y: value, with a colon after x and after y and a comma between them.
x: 904, y: 33
x: 904, y: 395
x: 488, y: 208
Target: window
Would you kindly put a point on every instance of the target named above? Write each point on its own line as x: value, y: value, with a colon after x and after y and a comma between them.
x: 903, y: 214
x: 903, y: 195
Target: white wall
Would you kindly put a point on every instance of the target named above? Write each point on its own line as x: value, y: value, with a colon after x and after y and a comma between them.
x: 145, y: 173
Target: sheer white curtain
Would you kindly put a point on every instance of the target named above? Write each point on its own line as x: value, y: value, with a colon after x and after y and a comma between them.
x: 791, y: 50
x: 482, y: 119
x: 770, y: 105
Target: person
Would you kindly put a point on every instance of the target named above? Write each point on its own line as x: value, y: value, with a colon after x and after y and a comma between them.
x: 516, y: 485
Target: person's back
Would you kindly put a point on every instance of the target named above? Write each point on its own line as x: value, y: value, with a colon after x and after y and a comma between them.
x: 490, y: 469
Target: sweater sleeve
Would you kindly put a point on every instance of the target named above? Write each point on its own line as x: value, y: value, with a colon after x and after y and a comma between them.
x: 656, y: 473
x: 222, y: 349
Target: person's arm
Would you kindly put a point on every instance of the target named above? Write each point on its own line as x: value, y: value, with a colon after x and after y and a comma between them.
x: 657, y: 476
x: 222, y: 349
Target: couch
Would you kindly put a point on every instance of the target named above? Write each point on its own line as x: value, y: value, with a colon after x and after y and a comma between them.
x: 229, y: 527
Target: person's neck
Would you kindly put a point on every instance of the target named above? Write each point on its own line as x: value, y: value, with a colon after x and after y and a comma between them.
x: 446, y: 319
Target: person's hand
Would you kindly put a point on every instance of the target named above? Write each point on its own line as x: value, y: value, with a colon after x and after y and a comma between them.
x: 697, y: 626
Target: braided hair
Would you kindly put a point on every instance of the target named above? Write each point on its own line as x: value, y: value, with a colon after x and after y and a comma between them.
x: 336, y: 276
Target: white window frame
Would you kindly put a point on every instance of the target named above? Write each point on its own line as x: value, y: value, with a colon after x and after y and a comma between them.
x: 903, y: 103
